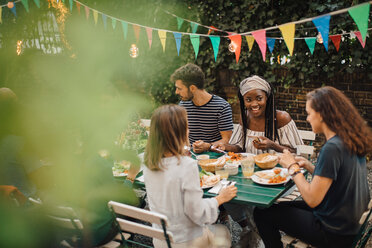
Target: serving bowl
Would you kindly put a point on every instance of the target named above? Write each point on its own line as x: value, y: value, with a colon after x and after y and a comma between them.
x: 211, y: 164
x: 266, y: 161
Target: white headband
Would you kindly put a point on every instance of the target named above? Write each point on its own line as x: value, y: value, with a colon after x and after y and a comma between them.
x: 254, y: 83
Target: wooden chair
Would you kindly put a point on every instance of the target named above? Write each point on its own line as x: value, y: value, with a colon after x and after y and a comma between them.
x: 359, y: 242
x: 306, y: 150
x: 130, y: 225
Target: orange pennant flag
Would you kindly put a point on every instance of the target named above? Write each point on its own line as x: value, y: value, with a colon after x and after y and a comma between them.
x: 236, y: 41
x: 288, y: 32
x: 136, y: 30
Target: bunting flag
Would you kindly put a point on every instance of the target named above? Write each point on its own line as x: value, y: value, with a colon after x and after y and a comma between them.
x: 179, y: 22
x: 113, y: 22
x: 194, y: 27
x: 178, y: 37
x: 25, y: 4
x: 71, y: 5
x: 336, y: 39
x: 358, y: 35
x: 195, y: 41
x: 288, y: 33
x: 270, y: 44
x: 136, y: 30
x: 78, y: 7
x: 322, y: 24
x: 37, y: 2
x: 360, y: 15
x: 86, y: 12
x: 163, y: 37
x: 14, y: 10
x: 260, y: 37
x: 211, y: 28
x: 1, y: 13
x: 104, y: 19
x: 237, y: 40
x: 310, y: 42
x: 125, y: 29
x: 250, y: 41
x: 215, y: 44
x: 95, y: 16
x: 149, y: 36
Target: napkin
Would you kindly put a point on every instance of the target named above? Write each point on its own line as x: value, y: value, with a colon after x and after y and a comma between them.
x: 141, y: 179
x: 216, y: 189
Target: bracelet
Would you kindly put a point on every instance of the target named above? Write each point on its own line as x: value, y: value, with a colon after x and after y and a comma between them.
x: 130, y: 179
x: 210, y: 145
x: 294, y: 174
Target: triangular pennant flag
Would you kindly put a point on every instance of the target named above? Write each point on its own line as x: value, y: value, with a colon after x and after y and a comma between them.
x: 25, y: 4
x: 250, y: 41
x: 215, y: 44
x: 86, y: 12
x: 95, y: 16
x: 288, y: 32
x: 194, y: 26
x: 358, y: 35
x: 71, y: 2
x: 237, y: 40
x: 136, y: 30
x: 149, y: 36
x: 336, y: 39
x: 211, y: 29
x: 322, y: 24
x: 178, y: 37
x: 179, y: 22
x: 163, y: 37
x: 14, y: 10
x: 270, y: 44
x: 360, y: 15
x: 1, y: 13
x: 78, y: 7
x: 260, y: 37
x: 37, y: 2
x: 113, y: 22
x: 195, y: 41
x: 125, y: 29
x: 310, y: 42
x: 104, y: 19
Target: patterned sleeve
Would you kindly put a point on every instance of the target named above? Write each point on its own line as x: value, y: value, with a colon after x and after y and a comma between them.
x: 237, y: 136
x: 225, y: 122
x: 289, y: 136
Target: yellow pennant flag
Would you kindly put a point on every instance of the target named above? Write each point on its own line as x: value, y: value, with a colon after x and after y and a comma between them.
x: 250, y: 41
x: 95, y: 16
x: 163, y: 37
x: 1, y: 10
x: 288, y: 32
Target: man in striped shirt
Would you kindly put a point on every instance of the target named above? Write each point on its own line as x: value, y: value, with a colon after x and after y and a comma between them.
x: 209, y: 116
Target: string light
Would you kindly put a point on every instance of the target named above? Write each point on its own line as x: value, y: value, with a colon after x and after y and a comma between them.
x: 19, y: 47
x: 62, y: 13
x: 319, y: 38
x: 232, y: 47
x: 10, y: 5
x: 133, y: 51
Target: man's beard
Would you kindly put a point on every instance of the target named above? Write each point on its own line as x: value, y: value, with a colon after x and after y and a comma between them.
x: 189, y: 97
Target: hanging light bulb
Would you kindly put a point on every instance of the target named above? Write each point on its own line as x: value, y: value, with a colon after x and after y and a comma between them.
x: 19, y: 47
x: 133, y: 51
x: 232, y: 47
x: 319, y: 38
x: 10, y: 5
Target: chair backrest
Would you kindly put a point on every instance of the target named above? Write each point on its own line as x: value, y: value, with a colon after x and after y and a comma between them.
x: 130, y: 225
x: 306, y: 150
x: 364, y: 232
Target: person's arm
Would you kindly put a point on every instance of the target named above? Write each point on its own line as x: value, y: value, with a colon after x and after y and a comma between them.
x: 265, y: 144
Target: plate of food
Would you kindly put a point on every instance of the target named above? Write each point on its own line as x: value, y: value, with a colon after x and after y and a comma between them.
x: 121, y: 168
x: 275, y: 176
x: 235, y: 158
x: 208, y: 179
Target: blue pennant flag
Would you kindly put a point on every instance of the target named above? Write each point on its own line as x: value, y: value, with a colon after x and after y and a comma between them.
x: 322, y: 24
x: 270, y: 43
x: 104, y: 18
x: 177, y: 37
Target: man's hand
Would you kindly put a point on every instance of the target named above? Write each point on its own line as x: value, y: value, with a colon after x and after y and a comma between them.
x: 200, y: 146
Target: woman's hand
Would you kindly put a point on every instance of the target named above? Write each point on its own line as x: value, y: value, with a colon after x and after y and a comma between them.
x: 286, y: 159
x: 133, y: 171
x: 263, y: 143
x: 304, y: 163
x: 200, y: 146
x: 226, y: 194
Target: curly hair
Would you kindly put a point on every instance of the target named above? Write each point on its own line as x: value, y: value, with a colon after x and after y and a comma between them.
x: 189, y: 74
x: 340, y: 115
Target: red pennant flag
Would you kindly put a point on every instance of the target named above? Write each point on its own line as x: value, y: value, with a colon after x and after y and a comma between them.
x: 236, y: 40
x: 211, y: 29
x: 260, y: 37
x: 78, y: 7
x: 136, y: 30
x: 87, y: 12
x: 359, y: 36
x: 336, y: 39
x: 149, y: 35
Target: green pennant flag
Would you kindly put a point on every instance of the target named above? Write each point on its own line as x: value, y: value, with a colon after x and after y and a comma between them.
x: 360, y: 15
x: 37, y: 2
x: 195, y: 41
x: 194, y: 26
x: 215, y: 44
x: 310, y: 42
x: 25, y: 4
x: 71, y: 5
x: 125, y: 29
x: 179, y: 22
x: 113, y: 23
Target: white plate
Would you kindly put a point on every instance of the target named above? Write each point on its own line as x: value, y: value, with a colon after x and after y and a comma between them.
x: 210, y: 185
x: 244, y: 154
x: 263, y: 181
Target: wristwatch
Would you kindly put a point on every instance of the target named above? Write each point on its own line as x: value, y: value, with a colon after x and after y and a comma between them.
x: 294, y: 169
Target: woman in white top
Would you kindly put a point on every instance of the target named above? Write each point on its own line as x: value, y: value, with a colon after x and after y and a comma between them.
x: 259, y: 118
x: 172, y: 181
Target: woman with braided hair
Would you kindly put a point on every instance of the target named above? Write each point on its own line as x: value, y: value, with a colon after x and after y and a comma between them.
x: 275, y: 130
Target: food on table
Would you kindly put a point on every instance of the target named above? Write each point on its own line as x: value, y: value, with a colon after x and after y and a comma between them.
x: 277, y: 170
x: 274, y: 176
x: 208, y: 179
x: 121, y: 168
x: 265, y: 174
x: 202, y: 157
x: 277, y: 179
x: 235, y: 156
x: 211, y: 164
x: 266, y: 160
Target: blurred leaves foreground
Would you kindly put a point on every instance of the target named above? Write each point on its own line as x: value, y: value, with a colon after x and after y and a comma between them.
x: 67, y: 108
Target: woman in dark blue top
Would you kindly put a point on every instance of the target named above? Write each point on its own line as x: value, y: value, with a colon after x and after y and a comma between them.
x: 335, y: 199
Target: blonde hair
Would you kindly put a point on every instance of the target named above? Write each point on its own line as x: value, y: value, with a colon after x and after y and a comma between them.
x: 168, y: 133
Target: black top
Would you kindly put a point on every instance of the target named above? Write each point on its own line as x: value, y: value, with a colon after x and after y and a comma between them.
x: 348, y: 196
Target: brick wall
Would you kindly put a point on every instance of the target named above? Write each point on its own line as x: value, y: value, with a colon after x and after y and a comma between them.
x: 293, y: 99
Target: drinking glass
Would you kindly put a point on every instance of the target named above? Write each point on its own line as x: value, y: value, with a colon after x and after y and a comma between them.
x: 220, y: 170
x: 247, y: 166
